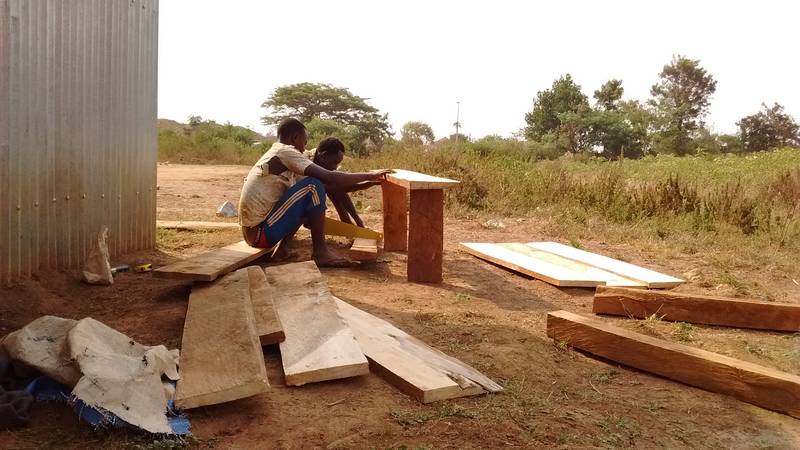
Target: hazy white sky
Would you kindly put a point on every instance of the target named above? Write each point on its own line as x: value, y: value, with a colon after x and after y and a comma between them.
x: 415, y: 59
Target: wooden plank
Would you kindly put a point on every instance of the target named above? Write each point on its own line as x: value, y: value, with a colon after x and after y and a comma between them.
x: 415, y: 180
x: 651, y: 278
x: 319, y: 345
x: 548, y: 272
x: 751, y: 383
x: 212, y: 264
x: 426, y: 235
x: 608, y: 278
x: 415, y: 368
x: 335, y: 227
x: 395, y: 217
x: 221, y: 357
x: 694, y: 308
x: 363, y: 250
x: 268, y: 324
x: 192, y: 225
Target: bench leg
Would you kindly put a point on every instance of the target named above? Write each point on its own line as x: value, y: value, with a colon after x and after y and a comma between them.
x: 426, y: 236
x: 395, y: 218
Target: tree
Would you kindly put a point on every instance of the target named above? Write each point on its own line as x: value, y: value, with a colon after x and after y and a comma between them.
x: 681, y: 98
x: 308, y: 101
x: 557, y: 111
x: 768, y: 129
x: 417, y: 133
x: 609, y: 95
x: 195, y: 121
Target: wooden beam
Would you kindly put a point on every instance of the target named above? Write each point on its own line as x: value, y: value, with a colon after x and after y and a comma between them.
x: 364, y: 250
x: 751, y: 383
x: 211, y: 264
x: 221, y: 357
x: 534, y: 267
x: 268, y: 324
x: 426, y: 236
x: 650, y: 278
x: 409, y: 364
x: 319, y: 345
x: 728, y: 312
x: 395, y: 217
x: 335, y: 227
x: 415, y: 180
x: 192, y: 225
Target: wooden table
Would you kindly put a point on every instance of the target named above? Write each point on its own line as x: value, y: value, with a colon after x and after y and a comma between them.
x: 416, y: 226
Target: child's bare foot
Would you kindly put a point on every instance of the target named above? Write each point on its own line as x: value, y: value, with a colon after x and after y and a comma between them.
x: 327, y: 258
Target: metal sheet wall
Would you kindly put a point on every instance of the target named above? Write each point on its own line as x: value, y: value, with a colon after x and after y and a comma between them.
x: 77, y: 130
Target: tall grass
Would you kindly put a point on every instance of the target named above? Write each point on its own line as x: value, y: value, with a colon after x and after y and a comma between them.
x: 754, y: 194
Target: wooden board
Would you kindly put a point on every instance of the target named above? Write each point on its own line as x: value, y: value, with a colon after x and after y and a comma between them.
x: 649, y: 277
x: 196, y: 225
x: 693, y: 308
x: 608, y: 278
x: 425, y: 236
x: 211, y: 264
x: 543, y: 270
x: 364, y: 250
x: 221, y: 357
x: 268, y: 324
x: 761, y: 386
x: 415, y: 180
x: 319, y: 345
x: 415, y: 368
x: 335, y: 227
x: 395, y: 217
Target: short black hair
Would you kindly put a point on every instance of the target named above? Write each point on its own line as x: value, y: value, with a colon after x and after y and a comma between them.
x: 330, y: 145
x: 290, y: 127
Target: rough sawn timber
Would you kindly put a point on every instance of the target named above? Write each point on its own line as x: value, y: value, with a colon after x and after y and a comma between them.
x: 319, y: 345
x: 363, y: 250
x: 425, y: 235
x: 751, y: 383
x: 409, y: 364
x: 693, y: 308
x: 268, y: 324
x: 395, y: 217
x: 221, y: 356
x: 211, y: 264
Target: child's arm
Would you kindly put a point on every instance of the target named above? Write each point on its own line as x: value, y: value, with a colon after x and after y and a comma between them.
x: 338, y: 200
x: 351, y: 208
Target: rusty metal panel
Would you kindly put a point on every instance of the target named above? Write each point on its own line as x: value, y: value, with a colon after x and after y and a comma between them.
x: 78, y: 86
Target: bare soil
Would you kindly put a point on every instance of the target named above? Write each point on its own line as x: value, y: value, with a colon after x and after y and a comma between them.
x: 487, y: 316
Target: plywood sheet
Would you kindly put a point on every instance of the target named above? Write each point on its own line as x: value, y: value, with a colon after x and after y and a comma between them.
x: 211, y: 264
x: 416, y: 180
x: 649, y: 277
x: 415, y: 368
x: 319, y: 344
x: 694, y: 308
x: 221, y: 357
x: 759, y: 385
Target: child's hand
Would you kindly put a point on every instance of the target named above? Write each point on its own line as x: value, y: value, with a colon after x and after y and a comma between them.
x: 381, y: 173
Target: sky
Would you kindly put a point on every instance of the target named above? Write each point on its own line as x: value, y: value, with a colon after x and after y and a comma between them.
x: 416, y: 59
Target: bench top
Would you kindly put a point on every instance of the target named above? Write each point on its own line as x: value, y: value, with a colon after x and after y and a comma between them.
x: 416, y: 180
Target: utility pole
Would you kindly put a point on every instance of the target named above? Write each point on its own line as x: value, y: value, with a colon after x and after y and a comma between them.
x: 458, y: 117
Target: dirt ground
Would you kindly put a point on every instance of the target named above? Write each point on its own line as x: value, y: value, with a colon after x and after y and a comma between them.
x: 488, y: 317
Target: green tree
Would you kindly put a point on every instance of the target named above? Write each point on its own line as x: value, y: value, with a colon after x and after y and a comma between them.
x: 417, y: 133
x: 609, y: 95
x: 308, y: 101
x: 681, y: 98
x: 768, y: 129
x: 558, y: 112
x: 195, y: 121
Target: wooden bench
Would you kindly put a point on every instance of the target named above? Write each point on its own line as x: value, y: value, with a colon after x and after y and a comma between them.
x: 416, y: 226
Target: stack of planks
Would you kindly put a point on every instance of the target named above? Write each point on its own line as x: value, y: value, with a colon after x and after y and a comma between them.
x: 566, y: 266
x: 320, y: 338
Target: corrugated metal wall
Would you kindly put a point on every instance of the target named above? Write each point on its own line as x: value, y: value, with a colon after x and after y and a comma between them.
x: 77, y: 130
